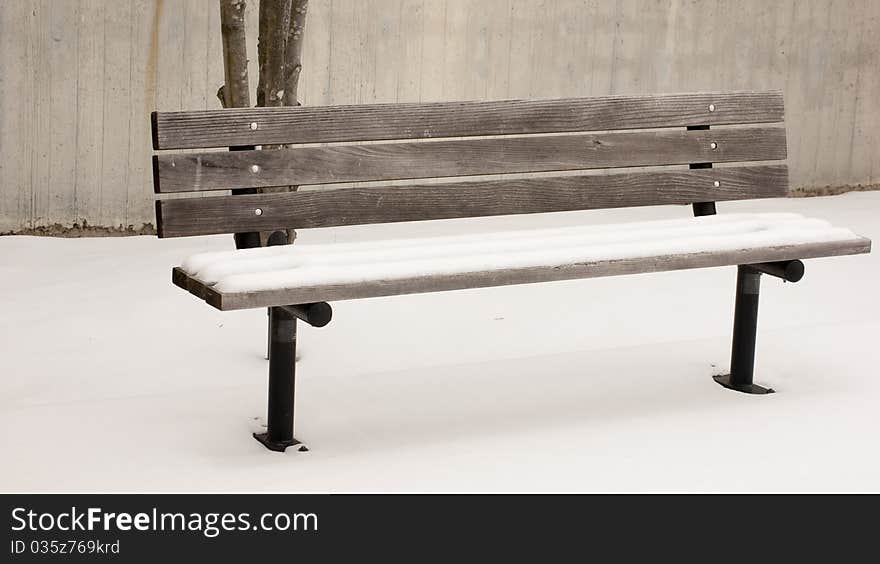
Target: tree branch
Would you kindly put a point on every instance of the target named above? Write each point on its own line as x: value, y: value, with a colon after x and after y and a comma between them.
x: 293, y: 51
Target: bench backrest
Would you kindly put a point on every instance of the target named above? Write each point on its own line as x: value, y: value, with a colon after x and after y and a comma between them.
x: 492, y: 140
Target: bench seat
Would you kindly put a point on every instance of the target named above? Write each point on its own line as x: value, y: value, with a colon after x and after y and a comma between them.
x: 306, y: 273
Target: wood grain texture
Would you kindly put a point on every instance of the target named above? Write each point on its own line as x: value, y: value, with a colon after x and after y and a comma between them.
x: 328, y: 293
x: 370, y: 122
x: 181, y: 279
x: 352, y: 206
x: 185, y: 172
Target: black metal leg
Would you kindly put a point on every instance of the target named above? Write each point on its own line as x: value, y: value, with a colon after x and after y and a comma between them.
x: 745, y: 325
x: 282, y: 381
x: 276, y: 238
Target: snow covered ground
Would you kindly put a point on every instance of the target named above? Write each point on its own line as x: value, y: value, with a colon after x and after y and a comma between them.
x: 115, y: 380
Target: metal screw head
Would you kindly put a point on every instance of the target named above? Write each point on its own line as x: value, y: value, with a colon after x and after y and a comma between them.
x: 713, y: 145
x: 716, y: 184
x: 256, y: 168
x: 258, y: 211
x: 254, y: 126
x: 711, y: 108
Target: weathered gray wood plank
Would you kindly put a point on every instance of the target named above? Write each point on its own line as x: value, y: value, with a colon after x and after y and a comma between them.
x: 183, y: 172
x: 244, y: 300
x: 230, y: 127
x: 352, y: 206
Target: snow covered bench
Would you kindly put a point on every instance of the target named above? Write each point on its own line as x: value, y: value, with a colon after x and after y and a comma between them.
x: 664, y: 142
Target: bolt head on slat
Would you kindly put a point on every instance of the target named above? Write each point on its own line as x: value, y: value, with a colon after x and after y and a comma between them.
x: 716, y: 184
x: 256, y: 168
x: 711, y: 107
x: 258, y: 211
x: 254, y: 126
x: 713, y: 145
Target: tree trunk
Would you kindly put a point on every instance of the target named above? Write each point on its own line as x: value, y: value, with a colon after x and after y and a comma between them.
x: 282, y: 23
x: 234, y: 93
x: 279, y: 54
x: 274, y: 22
x: 293, y: 51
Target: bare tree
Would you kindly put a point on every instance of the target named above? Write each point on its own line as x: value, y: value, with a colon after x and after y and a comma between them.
x: 279, y: 54
x: 234, y: 93
x: 282, y: 23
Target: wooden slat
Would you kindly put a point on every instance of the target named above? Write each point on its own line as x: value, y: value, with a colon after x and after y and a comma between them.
x: 245, y: 300
x: 182, y: 280
x: 392, y: 161
x: 359, y: 205
x: 320, y: 124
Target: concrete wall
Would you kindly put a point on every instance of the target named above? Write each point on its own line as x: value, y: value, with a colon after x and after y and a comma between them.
x: 78, y: 78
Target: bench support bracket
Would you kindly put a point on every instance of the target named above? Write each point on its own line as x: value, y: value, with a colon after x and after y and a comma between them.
x: 282, y: 380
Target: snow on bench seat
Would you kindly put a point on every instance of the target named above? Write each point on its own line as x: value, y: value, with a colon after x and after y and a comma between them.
x: 304, y: 273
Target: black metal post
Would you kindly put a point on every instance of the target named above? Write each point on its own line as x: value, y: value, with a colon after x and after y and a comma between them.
x: 745, y: 326
x: 250, y: 240
x: 282, y: 382
x: 704, y: 208
x: 276, y: 238
x: 701, y: 208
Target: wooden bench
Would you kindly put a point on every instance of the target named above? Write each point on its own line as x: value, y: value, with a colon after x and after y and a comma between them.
x: 664, y: 142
